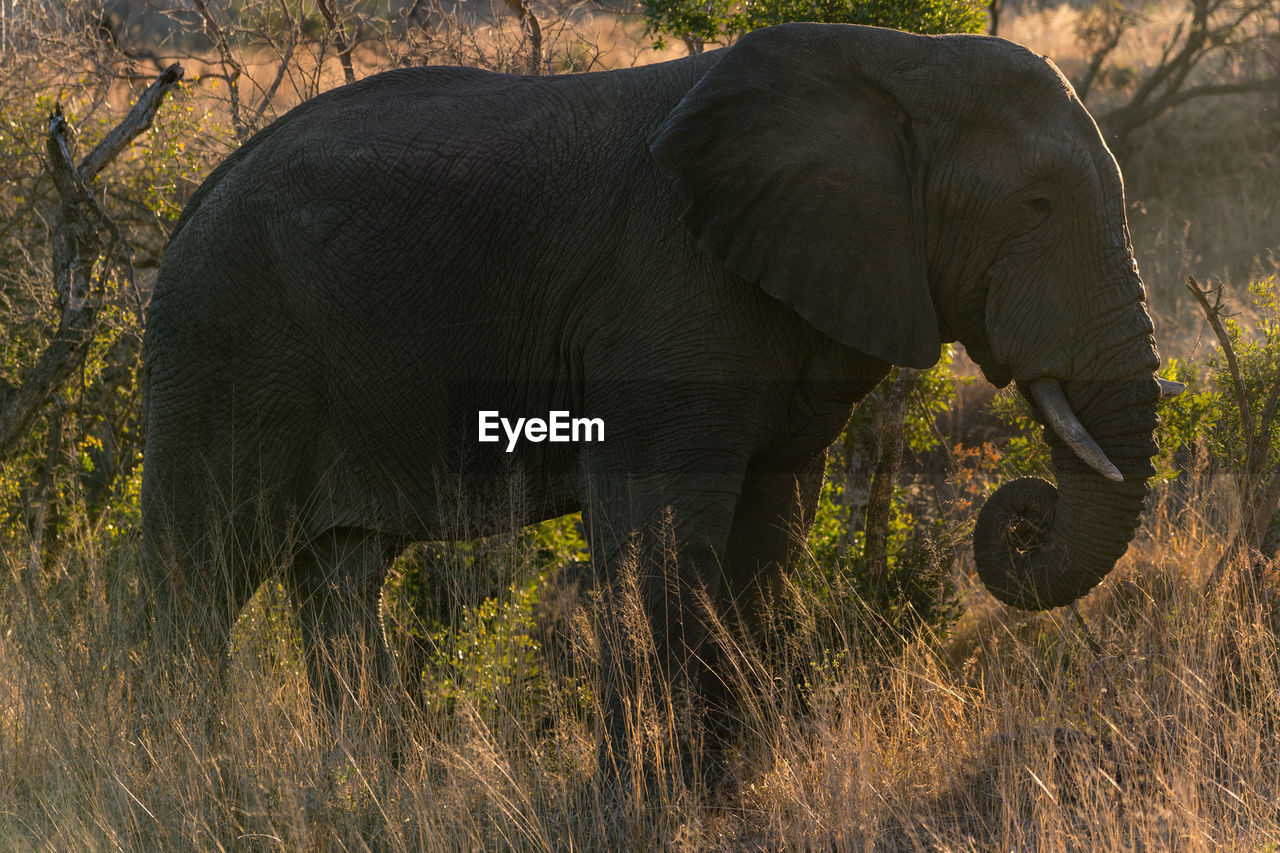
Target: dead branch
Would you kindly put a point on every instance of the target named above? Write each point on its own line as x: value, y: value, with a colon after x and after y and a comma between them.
x: 282, y: 69
x: 1212, y: 27
x: 137, y: 122
x: 219, y: 39
x: 78, y: 234
x: 1122, y: 120
x: 1100, y: 30
x: 1213, y: 313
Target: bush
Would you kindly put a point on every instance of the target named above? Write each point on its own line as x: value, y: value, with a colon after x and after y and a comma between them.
x: 1235, y: 413
x: 78, y: 462
x: 915, y: 593
x: 700, y: 22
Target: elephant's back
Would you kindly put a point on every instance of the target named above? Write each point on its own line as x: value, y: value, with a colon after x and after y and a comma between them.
x: 262, y: 232
x: 334, y: 107
x: 467, y: 117
x: 451, y: 158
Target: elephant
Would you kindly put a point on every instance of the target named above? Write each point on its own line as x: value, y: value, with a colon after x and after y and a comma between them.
x: 379, y: 308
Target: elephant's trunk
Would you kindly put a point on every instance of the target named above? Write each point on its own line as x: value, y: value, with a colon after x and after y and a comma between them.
x: 1038, y: 547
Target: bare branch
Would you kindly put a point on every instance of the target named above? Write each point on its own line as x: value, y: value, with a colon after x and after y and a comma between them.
x: 1209, y: 28
x: 529, y: 22
x: 132, y: 126
x: 228, y: 61
x: 1100, y: 30
x: 271, y: 90
x: 1213, y: 313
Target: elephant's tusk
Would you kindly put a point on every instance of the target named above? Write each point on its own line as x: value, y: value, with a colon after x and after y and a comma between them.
x: 1170, y: 389
x: 1049, y: 397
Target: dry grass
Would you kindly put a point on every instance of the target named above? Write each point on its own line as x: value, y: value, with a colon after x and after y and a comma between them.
x: 1152, y: 725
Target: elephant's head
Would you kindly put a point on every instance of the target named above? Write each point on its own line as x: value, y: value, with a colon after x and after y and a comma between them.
x: 899, y: 191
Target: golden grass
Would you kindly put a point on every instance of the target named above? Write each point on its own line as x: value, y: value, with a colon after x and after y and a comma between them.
x: 1150, y: 725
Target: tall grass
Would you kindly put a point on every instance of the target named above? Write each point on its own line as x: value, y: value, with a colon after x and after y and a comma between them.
x: 1149, y: 721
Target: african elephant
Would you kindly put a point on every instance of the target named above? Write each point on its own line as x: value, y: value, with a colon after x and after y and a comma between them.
x: 715, y: 257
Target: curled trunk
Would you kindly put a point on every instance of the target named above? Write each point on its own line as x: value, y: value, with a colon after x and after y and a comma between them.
x: 1038, y: 547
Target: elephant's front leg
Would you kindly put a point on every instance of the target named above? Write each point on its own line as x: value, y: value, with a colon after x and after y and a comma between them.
x: 658, y: 542
x: 335, y: 584
x: 771, y: 523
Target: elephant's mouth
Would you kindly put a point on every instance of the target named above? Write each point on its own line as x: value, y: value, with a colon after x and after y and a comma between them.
x: 995, y: 372
x: 1052, y: 403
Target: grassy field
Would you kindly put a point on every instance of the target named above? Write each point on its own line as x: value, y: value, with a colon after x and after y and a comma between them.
x: 1146, y: 719
x: 1149, y: 720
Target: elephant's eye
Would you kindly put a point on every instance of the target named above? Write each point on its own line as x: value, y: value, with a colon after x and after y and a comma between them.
x: 1038, y: 209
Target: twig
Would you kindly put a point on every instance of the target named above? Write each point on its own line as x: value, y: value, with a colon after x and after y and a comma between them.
x: 34, y: 197
x: 228, y: 61
x: 1213, y: 313
x: 529, y: 23
x: 1094, y: 645
x: 270, y: 92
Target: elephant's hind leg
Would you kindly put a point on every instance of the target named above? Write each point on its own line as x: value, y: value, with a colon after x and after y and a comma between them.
x: 335, y: 584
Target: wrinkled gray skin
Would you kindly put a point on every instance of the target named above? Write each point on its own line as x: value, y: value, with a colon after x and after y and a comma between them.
x: 719, y: 256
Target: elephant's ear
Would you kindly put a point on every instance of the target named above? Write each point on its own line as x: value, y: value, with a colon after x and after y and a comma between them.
x: 798, y: 173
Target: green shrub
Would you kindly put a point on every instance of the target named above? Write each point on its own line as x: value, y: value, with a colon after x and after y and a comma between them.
x: 917, y: 593
x: 700, y: 22
x: 1233, y: 411
x: 467, y: 613
x: 80, y: 463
